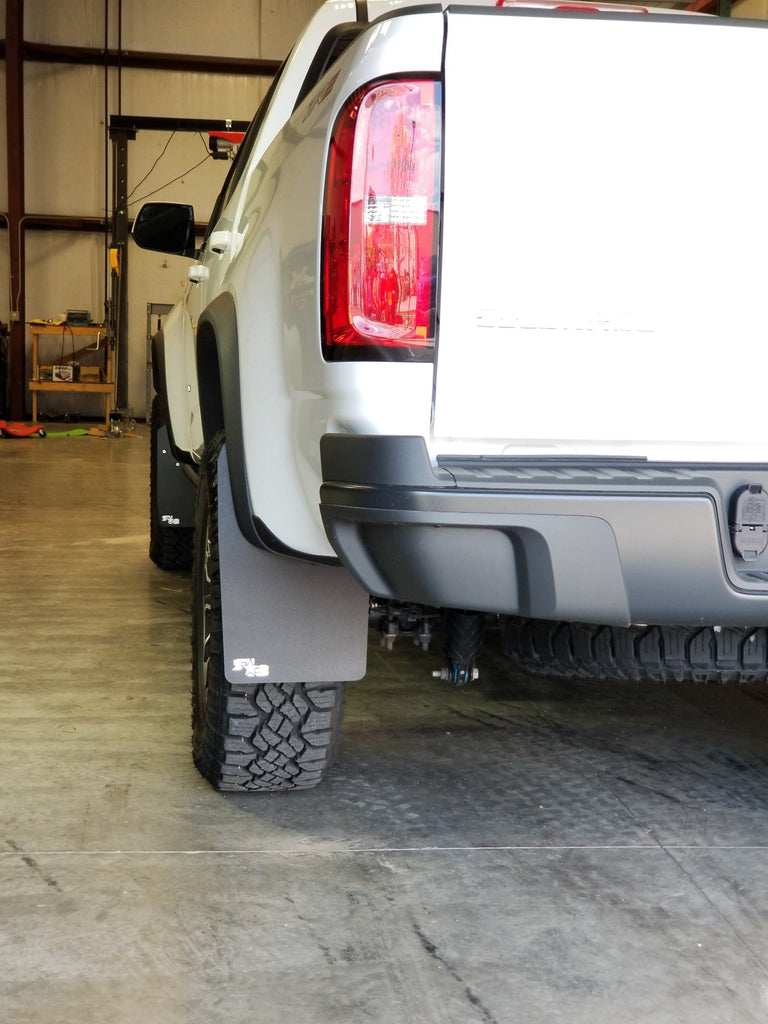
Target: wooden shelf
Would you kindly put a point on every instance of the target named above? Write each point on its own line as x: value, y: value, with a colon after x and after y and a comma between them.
x: 36, y: 386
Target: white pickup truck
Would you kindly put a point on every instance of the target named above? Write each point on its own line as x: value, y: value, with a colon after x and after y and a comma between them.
x: 475, y: 327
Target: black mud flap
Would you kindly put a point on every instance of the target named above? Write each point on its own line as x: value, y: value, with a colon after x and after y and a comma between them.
x: 285, y: 620
x: 175, y: 493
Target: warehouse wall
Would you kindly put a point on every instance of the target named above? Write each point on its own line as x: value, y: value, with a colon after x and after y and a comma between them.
x: 757, y: 9
x: 68, y: 158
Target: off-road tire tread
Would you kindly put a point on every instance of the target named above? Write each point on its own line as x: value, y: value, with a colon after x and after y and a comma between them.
x: 667, y: 653
x: 251, y: 737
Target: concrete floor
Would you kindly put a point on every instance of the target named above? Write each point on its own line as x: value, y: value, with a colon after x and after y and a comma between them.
x: 521, y: 852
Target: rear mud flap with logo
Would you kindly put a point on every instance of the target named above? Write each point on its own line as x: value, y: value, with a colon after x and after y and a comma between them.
x: 285, y: 620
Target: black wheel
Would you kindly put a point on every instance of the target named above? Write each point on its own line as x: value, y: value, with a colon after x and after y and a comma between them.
x: 258, y: 736
x: 694, y: 654
x: 170, y: 547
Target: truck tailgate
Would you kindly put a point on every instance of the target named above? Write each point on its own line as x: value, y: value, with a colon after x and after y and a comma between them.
x: 605, y: 236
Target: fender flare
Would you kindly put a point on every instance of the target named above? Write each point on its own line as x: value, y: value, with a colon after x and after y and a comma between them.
x: 218, y: 376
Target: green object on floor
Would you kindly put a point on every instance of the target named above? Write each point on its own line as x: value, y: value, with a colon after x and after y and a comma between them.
x: 75, y: 432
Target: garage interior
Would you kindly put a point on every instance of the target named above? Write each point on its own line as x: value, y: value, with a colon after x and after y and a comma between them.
x: 521, y: 850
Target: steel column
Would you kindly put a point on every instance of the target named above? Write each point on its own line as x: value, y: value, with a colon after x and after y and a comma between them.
x: 14, y: 107
x: 119, y: 303
x: 122, y: 130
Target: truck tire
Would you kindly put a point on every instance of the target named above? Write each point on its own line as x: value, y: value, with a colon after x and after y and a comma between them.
x: 249, y: 737
x: 699, y: 654
x: 170, y: 547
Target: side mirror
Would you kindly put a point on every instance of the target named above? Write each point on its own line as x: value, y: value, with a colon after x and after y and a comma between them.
x: 166, y: 227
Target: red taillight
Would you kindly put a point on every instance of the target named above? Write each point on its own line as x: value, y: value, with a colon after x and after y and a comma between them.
x: 380, y: 227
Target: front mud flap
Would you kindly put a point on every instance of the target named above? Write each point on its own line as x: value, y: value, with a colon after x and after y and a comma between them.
x: 175, y: 494
x: 285, y: 620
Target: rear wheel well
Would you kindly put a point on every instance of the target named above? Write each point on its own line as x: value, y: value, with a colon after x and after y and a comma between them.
x: 209, y: 378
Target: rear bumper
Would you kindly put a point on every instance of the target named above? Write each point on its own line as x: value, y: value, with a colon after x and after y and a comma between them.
x: 609, y: 542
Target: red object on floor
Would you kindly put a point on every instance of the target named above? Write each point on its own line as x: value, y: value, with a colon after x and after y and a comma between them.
x: 20, y: 429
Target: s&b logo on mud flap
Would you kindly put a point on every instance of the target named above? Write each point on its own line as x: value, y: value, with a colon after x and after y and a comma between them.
x: 250, y: 667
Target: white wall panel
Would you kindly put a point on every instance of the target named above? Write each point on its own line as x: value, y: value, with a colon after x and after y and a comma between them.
x: 191, y: 94
x: 69, y: 23
x: 750, y: 9
x: 238, y: 28
x: 225, y: 28
x: 64, y: 139
x: 64, y: 271
x: 281, y: 22
x: 66, y: 109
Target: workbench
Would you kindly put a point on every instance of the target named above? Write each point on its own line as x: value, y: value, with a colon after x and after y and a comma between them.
x: 66, y: 333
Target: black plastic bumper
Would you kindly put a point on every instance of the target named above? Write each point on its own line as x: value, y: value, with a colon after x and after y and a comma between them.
x: 612, y: 542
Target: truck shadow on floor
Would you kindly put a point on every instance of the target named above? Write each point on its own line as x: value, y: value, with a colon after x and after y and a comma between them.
x: 520, y: 760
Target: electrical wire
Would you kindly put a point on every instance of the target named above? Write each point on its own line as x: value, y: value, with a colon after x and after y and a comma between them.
x: 64, y: 329
x: 154, y: 165
x: 208, y: 156
x: 16, y: 300
x: 10, y: 288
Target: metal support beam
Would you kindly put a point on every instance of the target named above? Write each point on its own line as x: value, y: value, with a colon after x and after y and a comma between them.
x: 54, y: 54
x: 119, y: 274
x: 128, y: 123
x: 14, y: 107
x: 122, y: 130
x: 63, y: 222
x: 58, y: 222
